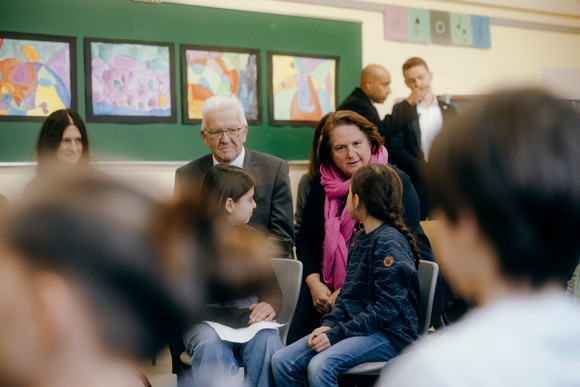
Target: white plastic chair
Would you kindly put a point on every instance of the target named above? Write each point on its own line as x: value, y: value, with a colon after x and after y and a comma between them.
x: 289, y: 275
x: 428, y: 272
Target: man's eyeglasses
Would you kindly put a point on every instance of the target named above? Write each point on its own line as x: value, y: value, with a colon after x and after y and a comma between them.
x: 232, y: 133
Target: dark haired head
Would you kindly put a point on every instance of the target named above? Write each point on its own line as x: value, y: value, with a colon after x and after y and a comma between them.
x: 314, y: 163
x: 413, y: 62
x: 346, y: 117
x: 380, y: 189
x: 99, y: 235
x: 514, y: 163
x: 51, y: 133
x: 223, y: 181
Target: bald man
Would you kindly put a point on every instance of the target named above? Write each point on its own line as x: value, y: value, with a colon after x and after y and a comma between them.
x: 374, y: 86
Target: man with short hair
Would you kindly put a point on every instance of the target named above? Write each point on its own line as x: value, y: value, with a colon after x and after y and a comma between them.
x: 416, y: 122
x: 224, y: 130
x: 374, y: 86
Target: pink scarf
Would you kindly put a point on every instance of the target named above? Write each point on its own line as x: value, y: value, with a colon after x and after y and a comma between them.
x: 338, y: 230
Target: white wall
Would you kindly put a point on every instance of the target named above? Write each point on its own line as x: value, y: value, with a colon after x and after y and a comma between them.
x: 517, y: 55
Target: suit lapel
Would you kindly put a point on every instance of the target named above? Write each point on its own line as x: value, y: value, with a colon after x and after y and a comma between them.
x: 251, y: 164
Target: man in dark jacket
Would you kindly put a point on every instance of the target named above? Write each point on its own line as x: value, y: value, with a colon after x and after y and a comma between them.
x: 415, y: 123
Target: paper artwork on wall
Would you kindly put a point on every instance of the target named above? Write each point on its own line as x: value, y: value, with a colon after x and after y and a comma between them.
x: 460, y: 26
x: 440, y: 33
x: 129, y: 81
x: 437, y: 27
x: 301, y: 88
x: 37, y: 75
x: 209, y: 71
x: 419, y: 25
x: 396, y: 23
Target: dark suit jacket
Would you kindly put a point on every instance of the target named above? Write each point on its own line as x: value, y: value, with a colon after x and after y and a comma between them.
x: 360, y: 103
x: 405, y: 142
x: 272, y: 192
x: 405, y: 138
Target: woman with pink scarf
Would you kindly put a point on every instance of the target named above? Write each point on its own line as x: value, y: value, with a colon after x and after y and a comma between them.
x: 348, y: 141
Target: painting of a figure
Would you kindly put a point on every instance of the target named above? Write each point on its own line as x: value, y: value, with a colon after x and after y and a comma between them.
x: 37, y: 75
x: 209, y: 71
x: 302, y: 88
x: 130, y: 81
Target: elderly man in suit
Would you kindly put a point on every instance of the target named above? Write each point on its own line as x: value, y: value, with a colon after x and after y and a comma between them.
x: 416, y: 122
x: 224, y: 130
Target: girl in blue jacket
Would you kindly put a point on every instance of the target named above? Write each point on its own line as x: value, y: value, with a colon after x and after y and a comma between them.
x: 376, y: 313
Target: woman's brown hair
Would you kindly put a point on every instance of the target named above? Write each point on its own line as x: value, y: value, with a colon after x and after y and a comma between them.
x: 346, y: 117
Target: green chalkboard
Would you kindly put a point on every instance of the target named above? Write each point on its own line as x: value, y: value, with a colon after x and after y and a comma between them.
x: 177, y: 24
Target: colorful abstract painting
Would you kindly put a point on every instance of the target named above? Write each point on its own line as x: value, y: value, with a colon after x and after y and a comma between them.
x: 130, y: 81
x: 37, y: 75
x: 209, y: 71
x: 302, y: 88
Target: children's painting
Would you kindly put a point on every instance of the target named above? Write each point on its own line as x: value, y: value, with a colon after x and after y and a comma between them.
x: 37, y: 75
x: 209, y: 71
x: 302, y: 88
x: 129, y: 81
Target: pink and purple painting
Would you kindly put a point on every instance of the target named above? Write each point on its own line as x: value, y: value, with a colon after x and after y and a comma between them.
x: 130, y: 81
x: 37, y: 75
x: 302, y: 88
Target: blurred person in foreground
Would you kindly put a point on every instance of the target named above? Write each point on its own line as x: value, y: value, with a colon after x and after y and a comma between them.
x: 506, y: 180
x: 84, y: 287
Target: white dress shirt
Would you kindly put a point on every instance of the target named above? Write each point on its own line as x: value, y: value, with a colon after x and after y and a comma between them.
x: 430, y: 122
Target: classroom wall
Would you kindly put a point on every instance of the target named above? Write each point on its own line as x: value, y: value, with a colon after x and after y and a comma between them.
x: 517, y: 55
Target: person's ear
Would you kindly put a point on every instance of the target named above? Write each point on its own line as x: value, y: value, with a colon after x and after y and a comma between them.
x: 244, y: 133
x: 356, y: 201
x: 205, y: 138
x: 230, y: 204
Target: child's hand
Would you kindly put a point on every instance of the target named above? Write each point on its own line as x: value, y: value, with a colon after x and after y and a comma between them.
x: 318, y: 340
x: 332, y: 300
x: 261, y: 312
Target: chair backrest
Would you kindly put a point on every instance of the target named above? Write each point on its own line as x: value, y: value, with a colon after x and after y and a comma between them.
x: 428, y: 272
x: 289, y: 275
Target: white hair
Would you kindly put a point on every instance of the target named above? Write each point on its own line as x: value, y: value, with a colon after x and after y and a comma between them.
x: 219, y: 103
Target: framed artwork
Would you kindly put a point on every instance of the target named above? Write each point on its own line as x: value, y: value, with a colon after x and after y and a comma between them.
x: 301, y: 88
x: 130, y: 81
x: 37, y: 75
x: 209, y: 71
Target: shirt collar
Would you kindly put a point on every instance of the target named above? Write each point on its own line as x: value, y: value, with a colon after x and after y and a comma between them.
x: 237, y: 162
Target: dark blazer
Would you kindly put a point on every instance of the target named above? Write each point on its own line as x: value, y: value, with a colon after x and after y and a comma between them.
x: 360, y: 103
x: 405, y: 138
x: 272, y: 192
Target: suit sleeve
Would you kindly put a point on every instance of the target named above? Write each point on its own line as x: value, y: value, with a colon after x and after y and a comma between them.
x: 402, y: 156
x: 281, y: 217
x: 310, y: 238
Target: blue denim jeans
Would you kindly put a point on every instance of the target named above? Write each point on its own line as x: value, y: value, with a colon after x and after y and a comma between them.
x: 214, y: 362
x: 291, y: 364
